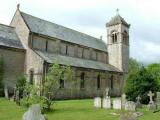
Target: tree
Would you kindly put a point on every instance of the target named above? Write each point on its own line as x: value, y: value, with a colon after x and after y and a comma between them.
x: 140, y: 84
x: 1, y: 76
x: 154, y: 69
x: 20, y: 85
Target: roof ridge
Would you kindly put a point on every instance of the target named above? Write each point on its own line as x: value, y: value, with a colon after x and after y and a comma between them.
x: 7, y: 25
x: 61, y: 26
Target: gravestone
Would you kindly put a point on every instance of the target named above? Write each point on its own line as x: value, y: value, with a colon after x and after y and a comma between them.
x: 151, y: 106
x: 128, y: 116
x: 138, y: 103
x: 123, y: 97
x: 107, y: 100
x: 130, y: 106
x: 158, y: 100
x: 117, y: 103
x: 97, y: 102
x: 34, y: 113
x: 6, y: 92
x: 107, y: 103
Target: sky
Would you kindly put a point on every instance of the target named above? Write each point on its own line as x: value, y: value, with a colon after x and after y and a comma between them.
x: 90, y: 17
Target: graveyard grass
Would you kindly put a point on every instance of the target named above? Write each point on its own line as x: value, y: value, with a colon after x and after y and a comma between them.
x: 69, y: 110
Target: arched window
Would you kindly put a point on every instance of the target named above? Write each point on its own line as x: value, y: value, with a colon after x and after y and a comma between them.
x: 61, y: 83
x: 111, y: 79
x: 114, y: 37
x: 125, y: 38
x: 98, y: 82
x: 82, y: 80
x: 31, y: 76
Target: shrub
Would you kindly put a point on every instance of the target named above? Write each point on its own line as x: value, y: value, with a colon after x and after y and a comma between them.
x: 20, y: 84
x: 140, y: 83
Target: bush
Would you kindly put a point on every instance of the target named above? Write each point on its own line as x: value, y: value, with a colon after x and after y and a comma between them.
x: 20, y: 84
x: 140, y: 83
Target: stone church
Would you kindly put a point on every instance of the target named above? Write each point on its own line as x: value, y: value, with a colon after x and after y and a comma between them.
x: 30, y: 44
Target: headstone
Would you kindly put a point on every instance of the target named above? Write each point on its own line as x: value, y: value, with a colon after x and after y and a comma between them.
x: 130, y: 106
x: 123, y: 97
x: 97, y: 102
x: 158, y: 100
x: 34, y: 113
x: 17, y: 97
x: 107, y: 103
x: 138, y: 103
x: 151, y: 106
x: 6, y: 92
x: 117, y: 103
x: 128, y: 116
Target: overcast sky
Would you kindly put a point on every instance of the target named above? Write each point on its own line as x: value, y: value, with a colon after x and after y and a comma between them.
x: 90, y: 17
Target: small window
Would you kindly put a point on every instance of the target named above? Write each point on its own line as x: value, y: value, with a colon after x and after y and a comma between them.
x: 31, y: 76
x: 98, y: 82
x: 114, y: 37
x: 125, y: 38
x: 111, y: 79
x: 61, y: 83
x: 82, y: 80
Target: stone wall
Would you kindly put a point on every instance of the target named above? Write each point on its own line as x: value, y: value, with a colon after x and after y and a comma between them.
x: 90, y: 90
x: 13, y: 66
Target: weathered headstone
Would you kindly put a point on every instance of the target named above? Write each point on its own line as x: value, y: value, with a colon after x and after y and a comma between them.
x: 128, y: 116
x: 130, y: 106
x: 151, y: 106
x: 17, y: 97
x: 123, y: 97
x: 117, y: 103
x: 158, y: 100
x: 107, y: 103
x: 6, y: 92
x: 34, y: 113
x: 97, y: 102
x: 138, y: 103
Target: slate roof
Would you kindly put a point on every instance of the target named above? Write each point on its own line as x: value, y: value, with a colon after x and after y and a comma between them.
x: 47, y: 28
x: 117, y: 20
x: 76, y: 62
x: 9, y: 38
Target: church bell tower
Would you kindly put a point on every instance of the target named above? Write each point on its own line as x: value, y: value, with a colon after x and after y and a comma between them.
x: 118, y: 42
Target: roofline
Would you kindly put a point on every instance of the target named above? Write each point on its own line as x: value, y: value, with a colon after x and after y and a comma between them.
x: 13, y: 48
x: 42, y: 35
x: 7, y: 25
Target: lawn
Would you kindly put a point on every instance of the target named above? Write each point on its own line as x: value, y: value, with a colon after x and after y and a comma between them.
x: 68, y: 110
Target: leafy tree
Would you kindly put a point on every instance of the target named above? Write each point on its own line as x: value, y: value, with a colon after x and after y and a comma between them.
x: 154, y: 69
x: 140, y: 84
x: 1, y: 76
x: 20, y: 84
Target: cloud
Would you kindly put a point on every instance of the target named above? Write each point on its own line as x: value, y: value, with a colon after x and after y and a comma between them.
x: 90, y: 17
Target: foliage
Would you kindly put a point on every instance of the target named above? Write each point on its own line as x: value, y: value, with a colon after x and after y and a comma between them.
x: 20, y: 84
x: 154, y: 69
x: 56, y: 72
x: 1, y: 76
x: 140, y: 83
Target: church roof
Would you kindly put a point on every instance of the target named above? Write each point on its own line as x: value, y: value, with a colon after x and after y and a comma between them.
x: 47, y: 28
x: 117, y: 20
x: 76, y: 62
x: 9, y: 38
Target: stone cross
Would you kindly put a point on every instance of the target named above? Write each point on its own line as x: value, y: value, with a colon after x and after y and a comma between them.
x: 107, y: 92
x: 150, y: 94
x: 117, y: 10
x: 138, y: 98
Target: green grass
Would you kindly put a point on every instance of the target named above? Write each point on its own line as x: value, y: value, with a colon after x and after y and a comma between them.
x: 69, y: 110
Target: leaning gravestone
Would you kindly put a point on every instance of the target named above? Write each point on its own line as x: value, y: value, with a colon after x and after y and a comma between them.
x: 123, y: 100
x: 128, y: 116
x: 151, y: 106
x: 138, y: 103
x: 117, y: 103
x: 97, y: 102
x: 130, y: 106
x: 34, y: 113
